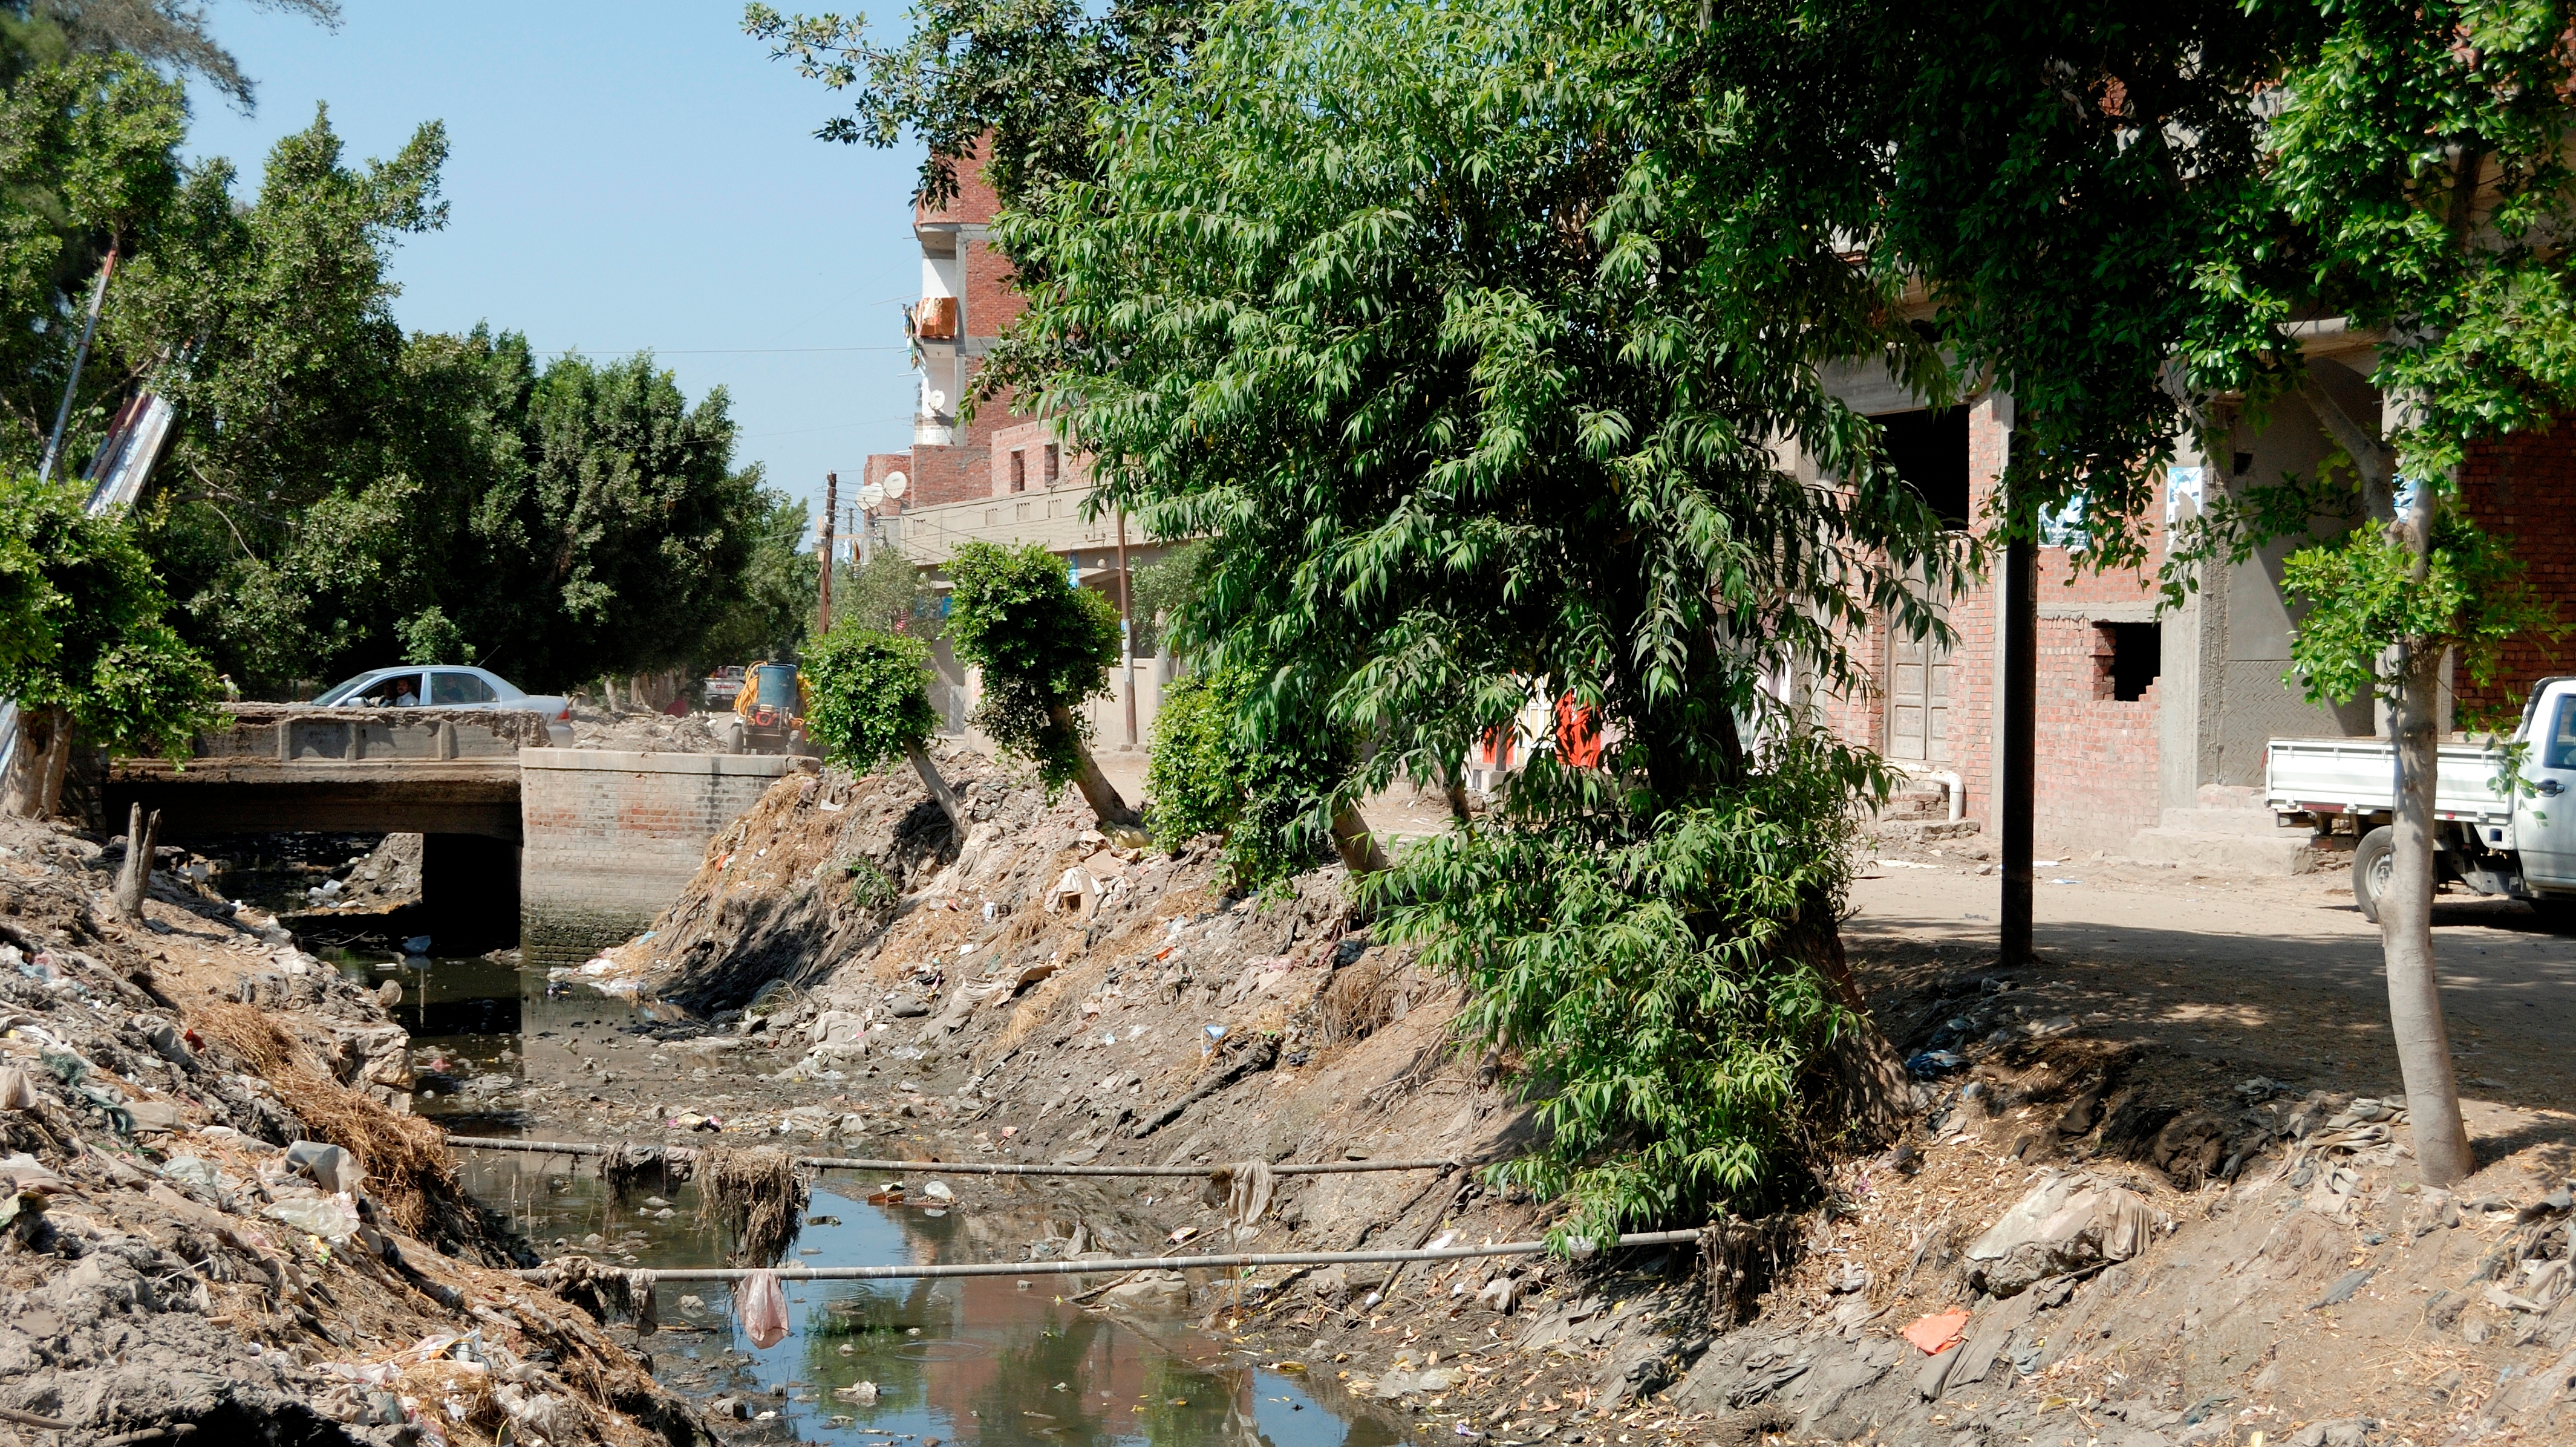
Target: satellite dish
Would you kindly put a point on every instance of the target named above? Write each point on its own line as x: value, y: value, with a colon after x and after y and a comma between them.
x: 938, y: 400
x: 870, y: 494
x: 895, y: 483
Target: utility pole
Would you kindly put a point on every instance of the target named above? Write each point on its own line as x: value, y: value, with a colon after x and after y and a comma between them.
x: 80, y: 354
x: 831, y: 510
x: 1126, y: 630
x: 2016, y: 697
x: 2019, y: 605
x: 863, y: 522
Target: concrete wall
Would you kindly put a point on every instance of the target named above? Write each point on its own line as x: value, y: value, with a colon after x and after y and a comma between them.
x: 611, y: 838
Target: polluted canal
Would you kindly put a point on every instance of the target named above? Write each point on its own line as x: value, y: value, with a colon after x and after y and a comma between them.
x: 499, y: 1049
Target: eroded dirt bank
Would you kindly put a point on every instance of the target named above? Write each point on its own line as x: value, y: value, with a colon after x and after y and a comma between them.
x: 219, y: 1219
x: 2107, y: 1240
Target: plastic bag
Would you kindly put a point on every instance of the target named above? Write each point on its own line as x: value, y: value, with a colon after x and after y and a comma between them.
x: 17, y: 1092
x: 764, y: 1309
x: 193, y: 1171
x: 328, y: 1217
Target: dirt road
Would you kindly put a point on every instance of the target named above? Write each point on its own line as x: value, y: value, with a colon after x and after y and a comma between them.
x: 2278, y: 977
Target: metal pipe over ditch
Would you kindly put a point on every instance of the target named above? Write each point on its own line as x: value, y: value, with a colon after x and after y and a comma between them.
x: 957, y: 1168
x: 646, y: 1277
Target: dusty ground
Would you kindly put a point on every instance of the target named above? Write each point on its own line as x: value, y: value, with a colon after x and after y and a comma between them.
x: 2278, y: 977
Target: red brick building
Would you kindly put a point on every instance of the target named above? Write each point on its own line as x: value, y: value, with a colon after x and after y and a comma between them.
x: 997, y: 476
x: 2151, y: 728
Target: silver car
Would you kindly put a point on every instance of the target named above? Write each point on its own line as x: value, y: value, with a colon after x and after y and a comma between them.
x: 449, y: 685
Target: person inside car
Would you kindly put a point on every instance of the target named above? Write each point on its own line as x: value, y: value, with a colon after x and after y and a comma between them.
x: 403, y: 695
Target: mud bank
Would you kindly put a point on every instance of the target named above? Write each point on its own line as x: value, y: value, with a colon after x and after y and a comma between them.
x: 2078, y: 1240
x: 219, y: 1215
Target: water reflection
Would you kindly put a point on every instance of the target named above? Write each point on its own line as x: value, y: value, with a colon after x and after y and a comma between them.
x: 981, y: 1360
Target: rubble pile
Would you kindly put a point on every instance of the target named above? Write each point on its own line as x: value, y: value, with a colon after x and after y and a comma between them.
x: 216, y: 1214
x: 2077, y: 1241
x: 652, y: 733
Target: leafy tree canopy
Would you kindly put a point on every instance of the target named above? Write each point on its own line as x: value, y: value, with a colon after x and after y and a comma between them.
x: 1045, y: 647
x: 869, y: 702
x: 1015, y: 78
x: 88, y: 162
x: 168, y: 35
x: 1382, y: 301
x: 86, y: 640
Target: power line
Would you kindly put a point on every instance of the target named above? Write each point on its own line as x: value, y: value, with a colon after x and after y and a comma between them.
x: 709, y: 351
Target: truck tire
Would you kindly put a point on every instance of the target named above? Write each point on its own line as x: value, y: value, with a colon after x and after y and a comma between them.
x: 2371, y: 862
x: 2557, y: 912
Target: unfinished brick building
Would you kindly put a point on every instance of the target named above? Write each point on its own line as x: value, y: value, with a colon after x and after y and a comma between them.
x: 998, y: 475
x: 2151, y: 727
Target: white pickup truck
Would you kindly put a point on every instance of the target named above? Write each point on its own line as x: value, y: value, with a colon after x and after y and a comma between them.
x: 2519, y: 842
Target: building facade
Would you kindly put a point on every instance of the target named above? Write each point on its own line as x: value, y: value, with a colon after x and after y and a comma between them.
x: 995, y: 475
x: 2152, y: 725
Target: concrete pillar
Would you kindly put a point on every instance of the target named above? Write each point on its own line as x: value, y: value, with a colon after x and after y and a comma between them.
x: 2184, y: 642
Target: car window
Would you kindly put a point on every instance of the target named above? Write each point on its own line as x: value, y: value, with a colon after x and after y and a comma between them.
x: 339, y: 690
x: 2558, y: 749
x: 392, y: 690
x: 459, y: 688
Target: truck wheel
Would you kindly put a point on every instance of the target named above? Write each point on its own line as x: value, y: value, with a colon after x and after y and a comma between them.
x: 2557, y: 912
x: 2371, y: 863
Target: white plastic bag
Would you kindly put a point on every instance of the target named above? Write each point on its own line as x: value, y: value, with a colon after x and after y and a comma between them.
x: 763, y: 1308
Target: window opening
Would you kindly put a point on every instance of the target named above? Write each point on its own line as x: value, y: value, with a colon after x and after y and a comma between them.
x: 1930, y: 450
x: 1050, y: 464
x: 2137, y: 656
x: 1019, y: 471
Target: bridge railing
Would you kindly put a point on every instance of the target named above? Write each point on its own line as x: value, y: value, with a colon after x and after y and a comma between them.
x: 286, y: 733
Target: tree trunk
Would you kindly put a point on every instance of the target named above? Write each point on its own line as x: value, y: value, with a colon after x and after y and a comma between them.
x: 1453, y: 786
x: 2406, y: 934
x: 58, y: 763
x: 23, y: 789
x: 1096, y: 789
x: 939, y: 789
x: 1353, y: 841
x: 142, y: 838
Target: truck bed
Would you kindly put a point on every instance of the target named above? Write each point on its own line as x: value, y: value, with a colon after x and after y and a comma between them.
x: 2336, y: 776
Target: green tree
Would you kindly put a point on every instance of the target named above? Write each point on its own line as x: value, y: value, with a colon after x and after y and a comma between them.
x: 888, y: 591
x: 87, y: 650
x: 1374, y: 299
x: 167, y: 35
x: 628, y: 530
x: 769, y: 615
x: 281, y: 507
x: 1045, y: 647
x: 88, y: 168
x: 1161, y: 590
x: 870, y: 703
x: 2417, y: 182
x: 1208, y: 774
x: 1014, y: 79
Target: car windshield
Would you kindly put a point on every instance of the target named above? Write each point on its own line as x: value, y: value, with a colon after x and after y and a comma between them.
x: 342, y: 689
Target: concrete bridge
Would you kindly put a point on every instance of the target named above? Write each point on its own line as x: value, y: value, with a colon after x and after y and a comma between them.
x: 567, y: 849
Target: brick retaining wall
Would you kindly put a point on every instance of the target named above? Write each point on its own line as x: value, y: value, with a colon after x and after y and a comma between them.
x: 611, y: 838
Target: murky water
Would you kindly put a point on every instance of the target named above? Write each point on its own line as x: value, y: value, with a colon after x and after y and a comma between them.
x: 987, y: 1360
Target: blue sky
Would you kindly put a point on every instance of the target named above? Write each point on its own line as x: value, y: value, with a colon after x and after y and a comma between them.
x: 620, y: 177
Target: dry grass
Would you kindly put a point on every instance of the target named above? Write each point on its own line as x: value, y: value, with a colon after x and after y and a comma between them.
x: 758, y: 1198
x: 405, y: 1157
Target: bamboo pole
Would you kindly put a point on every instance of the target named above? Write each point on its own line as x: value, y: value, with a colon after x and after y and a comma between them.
x: 646, y: 1277
x: 956, y: 1168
